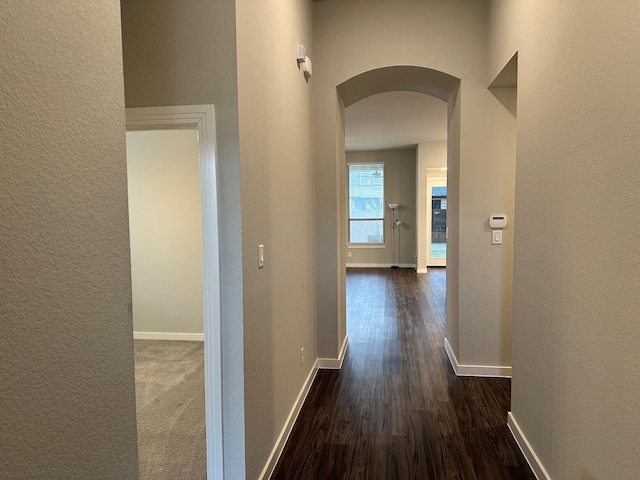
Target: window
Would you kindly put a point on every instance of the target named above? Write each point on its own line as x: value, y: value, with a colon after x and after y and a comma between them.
x: 366, y: 203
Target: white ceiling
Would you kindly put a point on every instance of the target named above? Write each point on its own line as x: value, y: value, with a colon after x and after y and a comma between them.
x: 395, y: 120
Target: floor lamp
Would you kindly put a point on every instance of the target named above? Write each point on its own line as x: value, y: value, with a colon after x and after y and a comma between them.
x: 394, y: 223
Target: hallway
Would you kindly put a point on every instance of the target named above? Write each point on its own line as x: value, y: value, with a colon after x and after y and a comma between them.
x: 396, y: 410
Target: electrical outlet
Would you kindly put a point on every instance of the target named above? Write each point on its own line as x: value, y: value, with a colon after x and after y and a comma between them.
x: 349, y: 254
x: 302, y: 356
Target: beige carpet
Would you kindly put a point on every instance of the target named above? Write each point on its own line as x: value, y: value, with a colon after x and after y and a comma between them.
x: 170, y: 410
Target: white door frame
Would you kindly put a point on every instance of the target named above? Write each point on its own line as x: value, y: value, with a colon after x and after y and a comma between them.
x: 202, y: 119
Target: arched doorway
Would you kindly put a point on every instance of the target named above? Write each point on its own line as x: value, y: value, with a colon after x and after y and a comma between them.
x: 331, y: 312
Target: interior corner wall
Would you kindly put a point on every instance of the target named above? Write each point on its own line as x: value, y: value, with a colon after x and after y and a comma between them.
x: 399, y: 187
x: 429, y: 155
x: 184, y: 53
x: 276, y: 151
x: 449, y: 37
x: 165, y: 230
x: 66, y: 348
x: 575, y: 351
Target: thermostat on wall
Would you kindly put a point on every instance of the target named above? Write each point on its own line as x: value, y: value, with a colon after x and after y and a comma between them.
x: 497, y: 222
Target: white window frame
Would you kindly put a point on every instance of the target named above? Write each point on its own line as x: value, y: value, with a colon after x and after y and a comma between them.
x: 351, y: 244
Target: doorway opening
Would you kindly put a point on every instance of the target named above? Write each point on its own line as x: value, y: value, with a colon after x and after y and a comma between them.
x: 436, y: 213
x: 187, y: 124
x: 433, y: 84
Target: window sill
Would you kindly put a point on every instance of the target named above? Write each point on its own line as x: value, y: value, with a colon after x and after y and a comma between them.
x: 366, y: 245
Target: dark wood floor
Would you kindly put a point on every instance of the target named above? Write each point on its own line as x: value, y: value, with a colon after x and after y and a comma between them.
x: 396, y: 410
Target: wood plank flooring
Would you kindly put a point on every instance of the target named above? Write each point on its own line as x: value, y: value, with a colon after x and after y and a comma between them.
x: 396, y: 410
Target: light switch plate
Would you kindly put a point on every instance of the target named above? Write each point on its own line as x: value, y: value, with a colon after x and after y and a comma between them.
x: 496, y: 237
x: 260, y: 256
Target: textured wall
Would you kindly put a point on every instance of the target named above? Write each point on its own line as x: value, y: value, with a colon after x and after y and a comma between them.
x: 351, y: 38
x: 67, y: 405
x: 400, y: 188
x: 184, y: 53
x: 276, y: 151
x: 165, y: 228
x: 576, y: 264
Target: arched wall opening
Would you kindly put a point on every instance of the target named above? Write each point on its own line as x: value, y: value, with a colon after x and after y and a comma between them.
x: 402, y: 78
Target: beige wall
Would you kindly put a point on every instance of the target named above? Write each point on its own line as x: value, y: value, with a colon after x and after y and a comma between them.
x: 450, y: 37
x: 184, y: 53
x: 429, y: 155
x: 66, y: 353
x: 575, y: 329
x: 276, y: 151
x: 399, y: 187
x: 187, y: 53
x: 165, y: 228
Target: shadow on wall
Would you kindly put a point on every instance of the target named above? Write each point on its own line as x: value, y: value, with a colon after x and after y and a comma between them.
x: 504, y: 84
x: 505, y: 89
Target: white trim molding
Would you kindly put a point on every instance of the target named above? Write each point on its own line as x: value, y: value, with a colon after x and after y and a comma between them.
x: 203, y: 119
x: 335, y: 363
x: 366, y: 245
x: 421, y: 270
x: 475, y: 370
x: 528, y: 452
x: 324, y: 363
x: 272, y: 461
x: 183, y: 337
x: 378, y: 265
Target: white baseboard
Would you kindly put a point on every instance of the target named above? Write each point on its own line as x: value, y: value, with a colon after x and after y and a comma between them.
x: 272, y: 461
x: 378, y: 265
x: 475, y: 370
x: 189, y: 337
x: 325, y: 363
x: 335, y: 363
x: 525, y: 447
x: 452, y: 356
x: 422, y: 270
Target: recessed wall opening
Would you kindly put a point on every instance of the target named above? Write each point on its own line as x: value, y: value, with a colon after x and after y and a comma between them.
x: 505, y: 89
